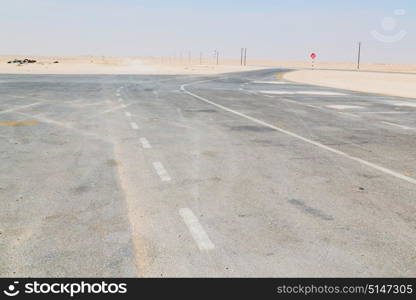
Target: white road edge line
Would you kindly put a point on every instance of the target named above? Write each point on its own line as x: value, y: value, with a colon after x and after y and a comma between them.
x: 161, y: 171
x: 145, y: 143
x: 19, y: 107
x: 134, y: 125
x: 322, y: 146
x: 195, y: 228
x: 397, y: 125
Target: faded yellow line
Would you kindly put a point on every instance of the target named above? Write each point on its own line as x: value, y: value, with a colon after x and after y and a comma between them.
x: 18, y: 123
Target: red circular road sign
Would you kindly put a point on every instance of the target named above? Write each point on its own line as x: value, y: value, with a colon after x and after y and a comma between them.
x: 313, y: 55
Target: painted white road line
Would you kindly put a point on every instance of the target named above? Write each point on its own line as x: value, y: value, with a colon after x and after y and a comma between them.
x: 197, y: 231
x: 271, y: 82
x: 111, y: 109
x: 278, y: 92
x: 67, y: 126
x: 127, y: 114
x: 134, y: 125
x: 397, y: 125
x: 19, y: 107
x: 300, y: 103
x: 118, y: 94
x: 318, y: 93
x: 317, y: 144
x: 383, y: 112
x: 321, y: 93
x: 335, y: 106
x: 400, y: 103
x: 145, y: 143
x: 161, y: 171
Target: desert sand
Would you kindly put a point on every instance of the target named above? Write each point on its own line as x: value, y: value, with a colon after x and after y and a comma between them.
x: 116, y: 65
x: 393, y: 84
x: 168, y: 65
x: 402, y: 84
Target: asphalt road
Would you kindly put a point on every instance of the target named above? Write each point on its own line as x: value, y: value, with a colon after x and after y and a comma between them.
x: 231, y: 175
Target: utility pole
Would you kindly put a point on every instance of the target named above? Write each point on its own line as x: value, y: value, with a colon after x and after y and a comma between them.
x: 359, y: 55
x: 241, y: 56
x: 245, y: 56
x: 217, y: 53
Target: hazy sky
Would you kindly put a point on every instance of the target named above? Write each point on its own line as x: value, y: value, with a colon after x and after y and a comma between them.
x: 273, y: 29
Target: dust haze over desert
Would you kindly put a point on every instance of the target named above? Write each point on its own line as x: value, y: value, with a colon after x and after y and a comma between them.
x: 181, y: 38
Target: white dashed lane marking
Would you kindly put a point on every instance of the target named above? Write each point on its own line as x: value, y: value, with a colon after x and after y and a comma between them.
x: 197, y: 231
x: 344, y: 106
x: 127, y: 114
x: 318, y: 93
x: 271, y: 82
x: 400, y: 103
x: 145, y: 143
x: 161, y: 171
x: 134, y: 125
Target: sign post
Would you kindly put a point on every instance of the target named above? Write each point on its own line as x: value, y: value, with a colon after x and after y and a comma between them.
x: 313, y: 56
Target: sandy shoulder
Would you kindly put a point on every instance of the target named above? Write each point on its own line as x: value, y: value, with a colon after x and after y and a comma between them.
x: 115, y: 65
x: 402, y: 85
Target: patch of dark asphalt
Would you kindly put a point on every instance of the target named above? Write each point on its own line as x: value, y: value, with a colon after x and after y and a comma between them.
x: 310, y: 210
x: 112, y: 162
x: 81, y: 189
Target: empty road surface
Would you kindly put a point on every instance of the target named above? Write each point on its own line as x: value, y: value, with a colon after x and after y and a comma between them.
x: 241, y: 174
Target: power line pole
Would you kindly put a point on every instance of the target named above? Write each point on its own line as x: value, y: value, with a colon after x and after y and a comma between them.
x: 241, y: 56
x: 217, y: 56
x: 359, y: 55
x: 245, y: 56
